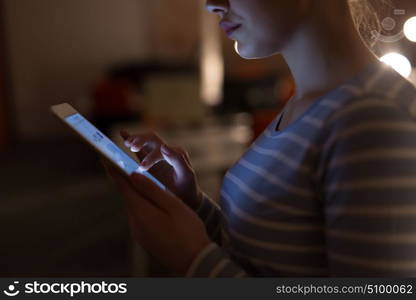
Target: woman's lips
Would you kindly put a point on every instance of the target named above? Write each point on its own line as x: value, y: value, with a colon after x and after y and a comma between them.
x: 229, y: 27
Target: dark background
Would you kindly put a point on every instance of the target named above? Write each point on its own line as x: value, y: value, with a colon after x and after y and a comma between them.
x: 121, y: 63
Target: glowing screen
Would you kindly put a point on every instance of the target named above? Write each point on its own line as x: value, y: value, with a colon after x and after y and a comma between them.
x: 106, y: 146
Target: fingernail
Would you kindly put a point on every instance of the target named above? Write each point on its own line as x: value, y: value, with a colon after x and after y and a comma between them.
x: 127, y: 143
x: 141, y: 169
x: 165, y: 150
x: 134, y: 149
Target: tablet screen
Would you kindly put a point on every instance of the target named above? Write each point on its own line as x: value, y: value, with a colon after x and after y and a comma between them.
x: 106, y: 146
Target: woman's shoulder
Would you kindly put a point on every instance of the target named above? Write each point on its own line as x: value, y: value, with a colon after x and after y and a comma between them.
x: 382, y: 97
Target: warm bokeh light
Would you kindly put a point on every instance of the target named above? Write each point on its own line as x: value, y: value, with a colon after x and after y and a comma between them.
x: 212, y: 64
x: 398, y: 62
x: 410, y: 29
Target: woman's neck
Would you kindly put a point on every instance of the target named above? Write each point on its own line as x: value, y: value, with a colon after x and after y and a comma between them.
x: 323, y: 57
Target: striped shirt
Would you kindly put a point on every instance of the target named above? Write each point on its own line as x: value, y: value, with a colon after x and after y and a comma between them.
x: 333, y: 194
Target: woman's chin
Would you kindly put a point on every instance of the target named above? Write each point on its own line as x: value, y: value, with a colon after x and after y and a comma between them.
x: 250, y: 52
x: 243, y: 51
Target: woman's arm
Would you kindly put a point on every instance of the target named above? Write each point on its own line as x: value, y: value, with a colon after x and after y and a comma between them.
x: 210, y: 213
x: 214, y: 262
x: 170, y: 230
x: 368, y: 175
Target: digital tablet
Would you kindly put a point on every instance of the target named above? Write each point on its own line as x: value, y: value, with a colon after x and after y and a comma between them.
x: 101, y: 143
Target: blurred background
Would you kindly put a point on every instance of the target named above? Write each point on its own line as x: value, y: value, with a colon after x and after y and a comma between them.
x: 131, y: 64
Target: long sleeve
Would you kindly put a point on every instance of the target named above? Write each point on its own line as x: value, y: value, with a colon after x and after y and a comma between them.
x: 369, y: 191
x: 210, y: 213
x: 213, y: 261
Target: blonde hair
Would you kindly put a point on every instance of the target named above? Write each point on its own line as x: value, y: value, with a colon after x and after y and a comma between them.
x: 367, y: 18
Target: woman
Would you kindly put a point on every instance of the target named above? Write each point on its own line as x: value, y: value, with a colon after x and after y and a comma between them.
x: 329, y: 189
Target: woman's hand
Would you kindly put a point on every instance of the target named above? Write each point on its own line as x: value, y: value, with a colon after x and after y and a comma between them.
x: 160, y: 222
x: 170, y: 165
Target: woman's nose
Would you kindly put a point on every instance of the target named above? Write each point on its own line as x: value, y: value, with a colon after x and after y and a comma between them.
x: 219, y: 7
